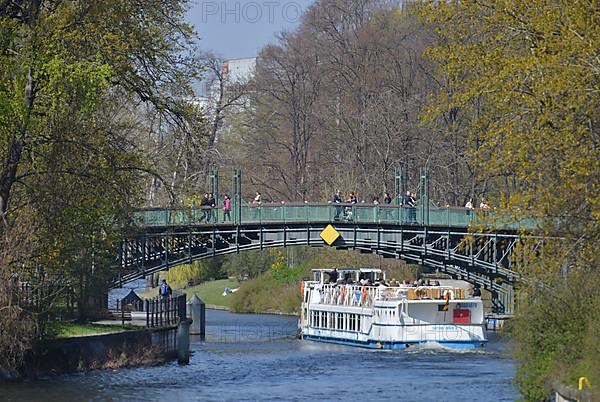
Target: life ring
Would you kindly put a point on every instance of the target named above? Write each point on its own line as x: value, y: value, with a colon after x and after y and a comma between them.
x: 343, y: 291
x: 363, y: 293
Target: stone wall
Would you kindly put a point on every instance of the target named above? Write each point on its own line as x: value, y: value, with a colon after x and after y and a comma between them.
x: 124, y: 349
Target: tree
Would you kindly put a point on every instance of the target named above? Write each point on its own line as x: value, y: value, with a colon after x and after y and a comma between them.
x: 69, y: 162
x: 529, y: 74
x: 337, y: 104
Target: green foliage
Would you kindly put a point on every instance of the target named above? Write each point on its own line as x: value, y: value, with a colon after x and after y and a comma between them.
x: 195, y: 273
x: 525, y: 78
x: 250, y: 264
x: 266, y: 294
x: 282, y: 273
x: 556, y: 335
x: 69, y: 169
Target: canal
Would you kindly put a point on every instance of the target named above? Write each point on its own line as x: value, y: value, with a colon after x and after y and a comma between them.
x: 257, y: 357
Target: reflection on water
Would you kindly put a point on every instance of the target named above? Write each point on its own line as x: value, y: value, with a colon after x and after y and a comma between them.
x: 257, y: 357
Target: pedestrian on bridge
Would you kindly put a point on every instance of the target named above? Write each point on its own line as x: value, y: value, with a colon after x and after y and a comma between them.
x: 387, y: 201
x: 337, y: 199
x: 211, y: 212
x: 226, y: 208
x: 257, y: 203
x: 204, y: 204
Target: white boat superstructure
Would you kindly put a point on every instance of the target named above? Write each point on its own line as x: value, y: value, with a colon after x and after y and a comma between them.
x: 362, y: 309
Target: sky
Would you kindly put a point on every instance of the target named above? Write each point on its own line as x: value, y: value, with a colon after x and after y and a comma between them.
x: 240, y: 28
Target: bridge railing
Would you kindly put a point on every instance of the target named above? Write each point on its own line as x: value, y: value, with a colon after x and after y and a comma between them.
x: 314, y: 212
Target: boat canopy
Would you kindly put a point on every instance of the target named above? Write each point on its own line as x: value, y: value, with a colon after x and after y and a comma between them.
x: 356, y: 274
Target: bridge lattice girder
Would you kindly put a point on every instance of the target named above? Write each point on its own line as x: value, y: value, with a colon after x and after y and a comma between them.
x: 485, y: 259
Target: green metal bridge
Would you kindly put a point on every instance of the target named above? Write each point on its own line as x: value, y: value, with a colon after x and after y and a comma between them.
x: 445, y: 239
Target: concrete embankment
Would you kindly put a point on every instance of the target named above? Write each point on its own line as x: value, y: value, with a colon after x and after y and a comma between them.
x: 108, y: 351
x: 268, y: 312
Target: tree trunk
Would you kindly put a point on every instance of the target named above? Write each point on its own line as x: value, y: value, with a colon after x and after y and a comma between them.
x: 9, y: 173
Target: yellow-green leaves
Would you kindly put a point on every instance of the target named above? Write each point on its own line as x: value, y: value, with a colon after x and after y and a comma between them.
x: 526, y: 78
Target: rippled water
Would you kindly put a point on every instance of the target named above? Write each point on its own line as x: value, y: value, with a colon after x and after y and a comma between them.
x: 256, y: 357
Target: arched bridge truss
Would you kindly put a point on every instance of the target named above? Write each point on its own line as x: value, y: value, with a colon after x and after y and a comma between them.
x: 484, y: 259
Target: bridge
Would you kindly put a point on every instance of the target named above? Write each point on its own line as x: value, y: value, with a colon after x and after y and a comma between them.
x: 444, y: 239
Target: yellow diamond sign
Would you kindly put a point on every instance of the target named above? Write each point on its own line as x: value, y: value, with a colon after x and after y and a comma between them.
x: 330, y: 235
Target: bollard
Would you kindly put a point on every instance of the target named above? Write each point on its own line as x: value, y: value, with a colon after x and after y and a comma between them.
x: 183, y: 342
x: 196, y: 310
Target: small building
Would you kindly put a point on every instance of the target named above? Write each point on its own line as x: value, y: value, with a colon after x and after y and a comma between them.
x: 131, y: 302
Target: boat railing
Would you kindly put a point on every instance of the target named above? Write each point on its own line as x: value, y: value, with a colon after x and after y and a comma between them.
x: 346, y: 295
x: 421, y: 293
x: 364, y: 296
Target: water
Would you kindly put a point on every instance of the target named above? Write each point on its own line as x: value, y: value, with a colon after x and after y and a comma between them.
x: 256, y: 357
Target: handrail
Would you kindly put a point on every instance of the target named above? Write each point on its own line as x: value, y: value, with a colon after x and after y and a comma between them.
x: 313, y: 212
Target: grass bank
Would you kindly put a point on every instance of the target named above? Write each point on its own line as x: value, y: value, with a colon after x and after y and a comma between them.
x: 212, y: 292
x: 265, y: 294
x: 59, y: 329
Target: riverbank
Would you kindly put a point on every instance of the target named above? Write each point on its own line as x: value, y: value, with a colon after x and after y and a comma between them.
x: 83, y: 353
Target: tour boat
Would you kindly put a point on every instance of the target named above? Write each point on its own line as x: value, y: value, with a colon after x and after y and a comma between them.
x: 357, y: 307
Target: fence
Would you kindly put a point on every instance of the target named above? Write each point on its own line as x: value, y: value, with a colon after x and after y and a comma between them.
x: 165, y: 311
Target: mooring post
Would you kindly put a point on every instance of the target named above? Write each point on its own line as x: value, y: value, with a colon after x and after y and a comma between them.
x: 196, y: 310
x: 183, y: 342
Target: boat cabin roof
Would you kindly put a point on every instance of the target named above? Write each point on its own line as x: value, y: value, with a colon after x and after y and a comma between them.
x: 354, y: 273
x: 361, y: 270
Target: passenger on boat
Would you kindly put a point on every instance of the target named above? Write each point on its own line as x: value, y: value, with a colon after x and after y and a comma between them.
x: 477, y: 292
x: 333, y: 276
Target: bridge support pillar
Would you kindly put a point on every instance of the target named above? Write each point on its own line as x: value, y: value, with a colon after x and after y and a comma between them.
x: 503, y: 302
x: 183, y: 342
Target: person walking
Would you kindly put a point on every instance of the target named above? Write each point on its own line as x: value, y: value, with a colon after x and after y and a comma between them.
x: 226, y: 208
x: 211, y: 211
x: 413, y: 207
x: 204, y: 206
x: 257, y: 202
x: 408, y: 203
x: 337, y: 199
x: 387, y: 200
x: 164, y: 290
